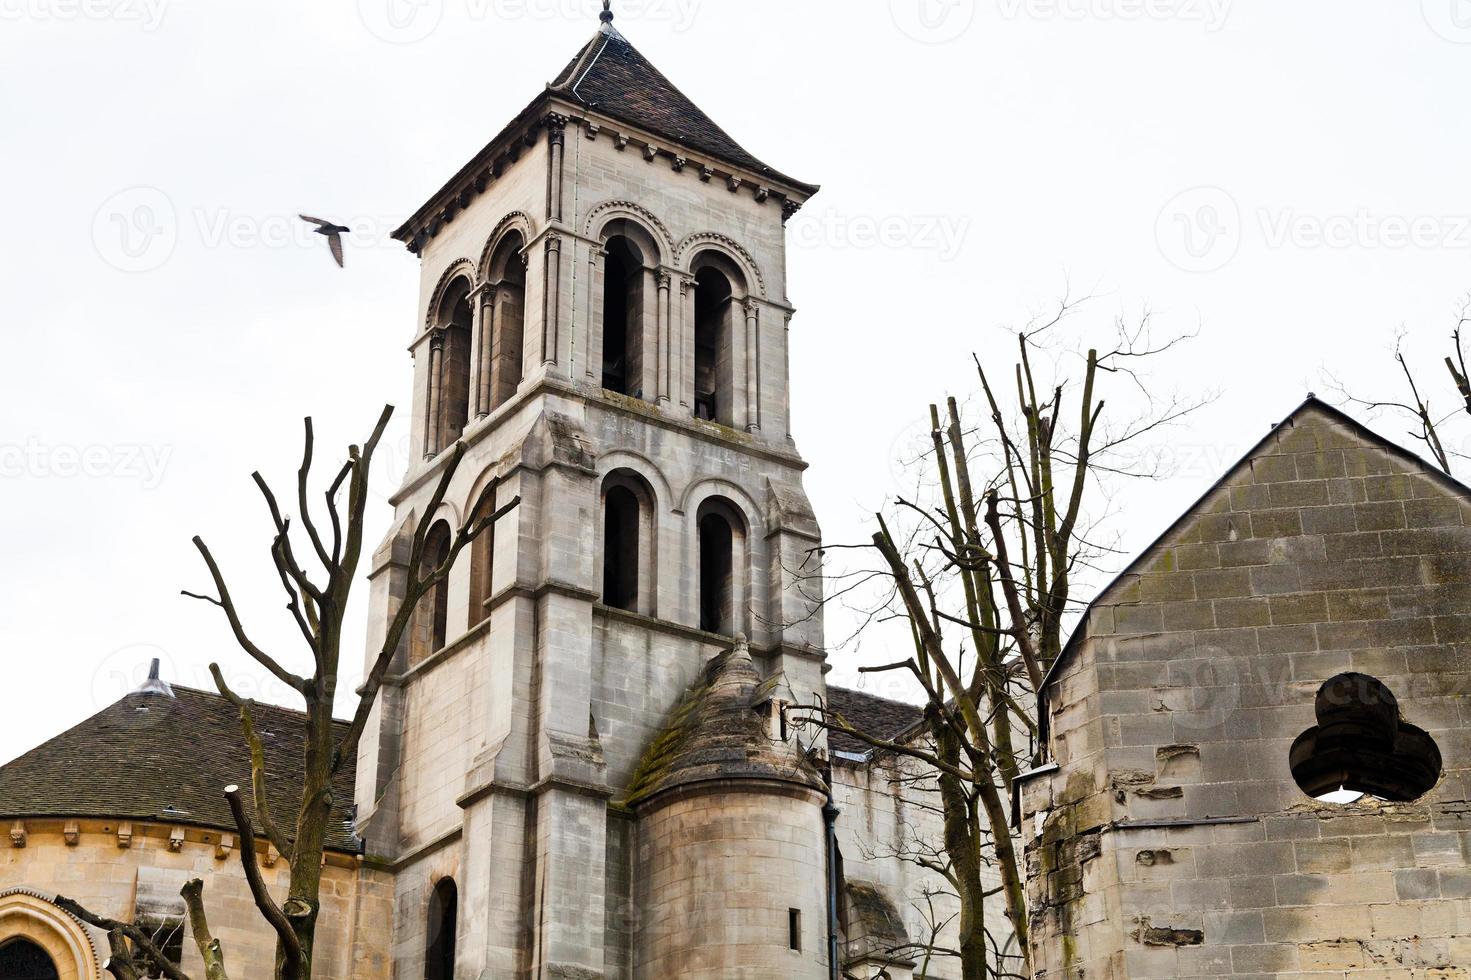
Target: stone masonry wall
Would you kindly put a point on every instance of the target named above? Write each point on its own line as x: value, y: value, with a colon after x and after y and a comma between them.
x: 357, y: 904
x: 1172, y: 840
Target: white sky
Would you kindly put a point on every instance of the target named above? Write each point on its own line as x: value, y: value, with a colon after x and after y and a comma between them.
x: 1002, y: 146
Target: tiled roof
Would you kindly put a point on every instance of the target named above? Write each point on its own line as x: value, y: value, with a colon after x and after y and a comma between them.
x: 150, y: 757
x: 876, y: 716
x: 612, y: 77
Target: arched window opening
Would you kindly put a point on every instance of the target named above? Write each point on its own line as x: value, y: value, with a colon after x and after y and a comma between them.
x: 722, y: 541
x: 439, y: 959
x: 482, y: 565
x: 623, y: 317
x: 714, y: 361
x: 621, y: 521
x: 21, y: 959
x: 503, y: 364
x: 451, y: 394
x: 431, y: 620
x: 1362, y: 747
x: 629, y: 552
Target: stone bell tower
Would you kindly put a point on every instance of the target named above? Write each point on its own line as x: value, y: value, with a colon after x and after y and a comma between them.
x: 603, y: 323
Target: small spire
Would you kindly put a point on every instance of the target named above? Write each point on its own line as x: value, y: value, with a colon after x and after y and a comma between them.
x: 607, y: 15
x: 155, y: 684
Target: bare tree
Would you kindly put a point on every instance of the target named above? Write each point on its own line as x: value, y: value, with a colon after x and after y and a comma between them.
x: 980, y: 567
x: 1430, y: 425
x: 318, y: 603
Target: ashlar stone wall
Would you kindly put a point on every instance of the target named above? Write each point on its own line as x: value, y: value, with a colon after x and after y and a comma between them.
x: 1168, y: 837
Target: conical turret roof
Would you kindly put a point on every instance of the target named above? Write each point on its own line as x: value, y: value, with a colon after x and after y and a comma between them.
x: 716, y: 733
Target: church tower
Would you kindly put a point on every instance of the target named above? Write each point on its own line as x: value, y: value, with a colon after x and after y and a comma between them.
x: 603, y: 323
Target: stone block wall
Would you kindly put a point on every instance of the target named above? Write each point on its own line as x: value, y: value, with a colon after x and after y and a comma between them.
x: 719, y: 871
x: 1172, y: 839
x: 96, y: 870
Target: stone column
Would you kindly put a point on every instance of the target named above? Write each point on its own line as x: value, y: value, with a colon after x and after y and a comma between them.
x: 685, y: 371
x: 753, y: 365
x: 551, y: 314
x: 664, y: 357
x: 557, y: 140
x: 485, y: 326
x: 436, y: 385
x: 592, y: 330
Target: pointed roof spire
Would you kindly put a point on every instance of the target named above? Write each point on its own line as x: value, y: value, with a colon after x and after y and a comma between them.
x: 155, y: 685
x: 607, y: 15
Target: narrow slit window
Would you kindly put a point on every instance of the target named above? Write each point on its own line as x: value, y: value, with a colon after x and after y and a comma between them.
x: 794, y: 929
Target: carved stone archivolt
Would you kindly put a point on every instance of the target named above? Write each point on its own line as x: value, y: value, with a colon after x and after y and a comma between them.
x: 722, y: 243
x: 459, y: 269
x: 605, y: 212
x: 515, y: 221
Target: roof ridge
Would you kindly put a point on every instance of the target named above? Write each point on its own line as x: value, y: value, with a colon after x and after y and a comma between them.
x: 1312, y: 402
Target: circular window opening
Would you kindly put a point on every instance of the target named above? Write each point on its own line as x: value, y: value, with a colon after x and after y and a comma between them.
x: 1361, y: 747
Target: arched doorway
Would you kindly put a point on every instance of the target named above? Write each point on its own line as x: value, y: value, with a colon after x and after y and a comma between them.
x: 21, y: 959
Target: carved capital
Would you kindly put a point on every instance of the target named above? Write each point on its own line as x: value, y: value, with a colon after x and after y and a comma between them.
x: 665, y: 281
x: 554, y: 243
x: 752, y: 308
x: 686, y: 283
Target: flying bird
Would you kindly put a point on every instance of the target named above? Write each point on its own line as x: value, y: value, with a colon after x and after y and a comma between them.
x: 333, y: 233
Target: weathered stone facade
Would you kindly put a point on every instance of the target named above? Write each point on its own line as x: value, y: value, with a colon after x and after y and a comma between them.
x: 603, y: 328
x: 128, y: 869
x: 1168, y: 836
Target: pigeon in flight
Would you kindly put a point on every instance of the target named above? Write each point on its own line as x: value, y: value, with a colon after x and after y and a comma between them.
x: 333, y: 234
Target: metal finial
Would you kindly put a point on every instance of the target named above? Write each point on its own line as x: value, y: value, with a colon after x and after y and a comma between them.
x: 607, y: 15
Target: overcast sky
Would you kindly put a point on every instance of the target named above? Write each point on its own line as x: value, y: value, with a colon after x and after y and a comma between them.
x: 1289, y: 178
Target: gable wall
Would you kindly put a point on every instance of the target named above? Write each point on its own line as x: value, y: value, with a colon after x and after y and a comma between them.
x: 1174, y: 805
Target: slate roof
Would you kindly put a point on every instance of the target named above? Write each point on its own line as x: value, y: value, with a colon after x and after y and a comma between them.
x: 609, y: 75
x: 149, y: 752
x: 612, y: 77
x: 877, y: 716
